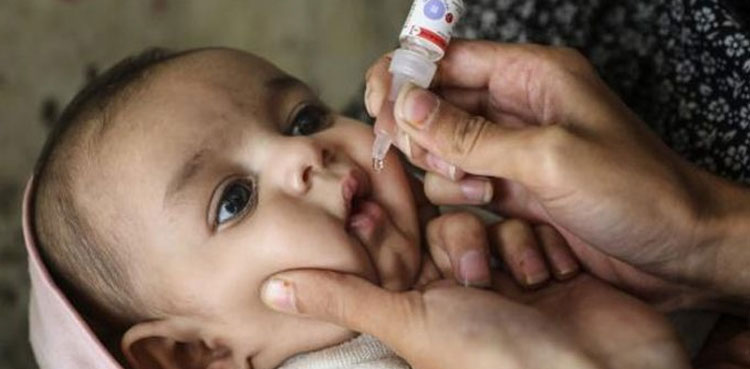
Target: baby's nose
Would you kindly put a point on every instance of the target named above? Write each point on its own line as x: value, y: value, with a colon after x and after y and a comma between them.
x: 304, y: 159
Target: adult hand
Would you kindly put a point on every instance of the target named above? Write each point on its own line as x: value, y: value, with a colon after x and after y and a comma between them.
x: 582, y: 323
x: 460, y: 243
x: 562, y: 149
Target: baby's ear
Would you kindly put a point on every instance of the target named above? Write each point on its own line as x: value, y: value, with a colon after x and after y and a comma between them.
x: 166, y: 344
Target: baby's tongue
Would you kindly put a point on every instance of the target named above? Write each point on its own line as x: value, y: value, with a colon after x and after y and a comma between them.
x: 366, y: 221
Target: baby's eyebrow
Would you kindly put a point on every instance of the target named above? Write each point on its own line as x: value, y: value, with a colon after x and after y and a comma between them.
x: 186, y: 173
x: 278, y: 86
x: 282, y: 82
x: 189, y: 170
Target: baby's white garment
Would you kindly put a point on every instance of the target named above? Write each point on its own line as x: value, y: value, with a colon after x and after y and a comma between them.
x: 363, y: 352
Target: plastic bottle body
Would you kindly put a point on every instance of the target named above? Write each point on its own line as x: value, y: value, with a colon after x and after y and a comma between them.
x: 422, y: 47
x: 424, y: 39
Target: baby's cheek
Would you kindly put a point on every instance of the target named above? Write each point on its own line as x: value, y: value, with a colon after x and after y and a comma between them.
x: 312, y: 241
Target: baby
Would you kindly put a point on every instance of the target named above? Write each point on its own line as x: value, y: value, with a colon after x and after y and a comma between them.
x: 175, y: 184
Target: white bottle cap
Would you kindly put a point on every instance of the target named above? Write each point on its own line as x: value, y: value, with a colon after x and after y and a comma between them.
x: 415, y: 67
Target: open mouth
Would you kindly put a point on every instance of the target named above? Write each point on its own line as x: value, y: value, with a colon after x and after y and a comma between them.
x: 355, y: 188
x: 394, y: 257
x: 363, y: 215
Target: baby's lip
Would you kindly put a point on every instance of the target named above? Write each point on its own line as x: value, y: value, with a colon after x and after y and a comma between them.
x: 355, y: 186
x: 364, y: 217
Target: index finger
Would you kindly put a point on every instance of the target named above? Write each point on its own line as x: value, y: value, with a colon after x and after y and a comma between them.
x: 517, y: 78
x: 472, y: 64
x: 483, y: 73
x: 378, y: 81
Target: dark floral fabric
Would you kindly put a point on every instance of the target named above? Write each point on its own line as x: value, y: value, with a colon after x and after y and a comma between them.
x: 682, y: 65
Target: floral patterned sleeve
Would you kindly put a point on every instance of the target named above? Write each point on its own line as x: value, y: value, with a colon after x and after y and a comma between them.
x: 682, y: 65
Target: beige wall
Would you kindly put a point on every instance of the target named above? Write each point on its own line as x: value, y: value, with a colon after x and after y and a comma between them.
x: 46, y: 46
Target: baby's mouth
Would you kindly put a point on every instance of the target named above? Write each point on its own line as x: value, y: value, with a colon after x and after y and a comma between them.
x: 394, y: 257
x: 366, y: 220
x: 364, y: 216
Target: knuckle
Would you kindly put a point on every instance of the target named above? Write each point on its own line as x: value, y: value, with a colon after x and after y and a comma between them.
x: 555, y: 146
x: 339, y: 309
x: 409, y: 304
x: 464, y: 220
x: 463, y: 230
x: 570, y: 60
x: 377, y: 70
x: 466, y: 134
x: 410, y: 307
x: 434, y: 188
x: 331, y: 305
x: 513, y: 226
x: 434, y: 230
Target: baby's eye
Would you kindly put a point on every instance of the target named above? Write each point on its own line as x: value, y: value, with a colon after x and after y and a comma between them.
x: 309, y: 119
x: 236, y: 199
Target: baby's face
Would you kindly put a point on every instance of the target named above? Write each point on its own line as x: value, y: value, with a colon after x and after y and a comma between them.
x: 223, y: 171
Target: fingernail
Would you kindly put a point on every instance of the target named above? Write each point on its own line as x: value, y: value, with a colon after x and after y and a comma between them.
x: 477, y: 190
x: 405, y: 143
x: 533, y: 268
x: 443, y: 167
x: 373, y: 96
x: 278, y: 294
x: 473, y: 269
x: 565, y: 266
x: 417, y: 107
x: 454, y: 173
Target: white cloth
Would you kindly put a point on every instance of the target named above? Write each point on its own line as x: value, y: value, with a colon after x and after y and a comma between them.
x: 362, y: 352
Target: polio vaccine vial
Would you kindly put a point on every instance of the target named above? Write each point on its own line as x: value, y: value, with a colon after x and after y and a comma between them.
x: 424, y: 39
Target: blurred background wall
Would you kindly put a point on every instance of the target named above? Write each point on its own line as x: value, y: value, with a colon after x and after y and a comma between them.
x: 49, y: 47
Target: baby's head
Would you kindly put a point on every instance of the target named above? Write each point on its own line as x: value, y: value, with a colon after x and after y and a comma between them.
x: 176, y: 184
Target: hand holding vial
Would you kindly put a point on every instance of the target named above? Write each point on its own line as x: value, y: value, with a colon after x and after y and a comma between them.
x: 424, y: 39
x: 541, y: 137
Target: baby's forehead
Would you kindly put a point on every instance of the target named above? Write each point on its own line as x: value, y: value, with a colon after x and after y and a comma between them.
x: 204, y: 87
x: 224, y: 72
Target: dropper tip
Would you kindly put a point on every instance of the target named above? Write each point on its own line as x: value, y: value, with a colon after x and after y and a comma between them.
x: 378, y: 164
x: 379, y: 150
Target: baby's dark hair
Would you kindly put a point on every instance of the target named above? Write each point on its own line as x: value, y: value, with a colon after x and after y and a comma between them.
x: 85, y: 262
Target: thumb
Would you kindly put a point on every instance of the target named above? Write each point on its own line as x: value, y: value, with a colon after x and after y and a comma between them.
x: 342, y: 299
x: 471, y: 142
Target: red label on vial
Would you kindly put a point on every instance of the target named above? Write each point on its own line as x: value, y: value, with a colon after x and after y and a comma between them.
x: 433, y: 37
x: 432, y: 21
